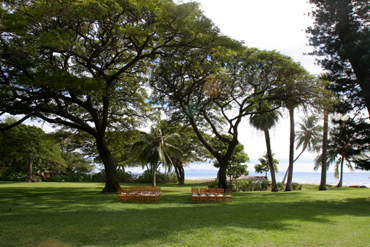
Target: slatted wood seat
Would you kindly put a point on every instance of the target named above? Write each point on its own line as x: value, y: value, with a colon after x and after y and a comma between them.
x: 228, y: 195
x: 212, y: 193
x: 138, y: 194
x: 122, y: 191
x: 203, y: 195
x: 194, y: 194
x: 155, y: 194
x: 220, y: 195
x: 146, y: 193
x: 131, y: 192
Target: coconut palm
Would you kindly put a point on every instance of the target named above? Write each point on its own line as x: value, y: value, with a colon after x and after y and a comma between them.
x: 340, y: 152
x: 309, y: 137
x: 264, y: 166
x: 154, y: 150
x: 264, y: 122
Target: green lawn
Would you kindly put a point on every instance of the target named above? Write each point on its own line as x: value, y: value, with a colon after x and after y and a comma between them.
x: 76, y: 214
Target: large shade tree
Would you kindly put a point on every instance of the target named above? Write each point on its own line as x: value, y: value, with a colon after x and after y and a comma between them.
x: 214, y: 90
x: 80, y: 64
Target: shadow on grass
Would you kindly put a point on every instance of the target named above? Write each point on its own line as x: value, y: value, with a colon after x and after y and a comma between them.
x: 81, y: 216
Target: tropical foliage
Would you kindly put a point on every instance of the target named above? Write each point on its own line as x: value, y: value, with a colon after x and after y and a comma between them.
x: 155, y: 150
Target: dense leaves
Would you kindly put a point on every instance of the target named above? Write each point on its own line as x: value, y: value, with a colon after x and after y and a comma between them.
x: 341, y: 36
x: 82, y: 64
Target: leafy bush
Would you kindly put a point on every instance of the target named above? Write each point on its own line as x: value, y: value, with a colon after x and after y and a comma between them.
x: 280, y: 185
x: 247, y: 185
x: 161, y: 178
x: 243, y: 185
x: 296, y: 186
x: 13, y: 174
x: 98, y: 177
x: 213, y: 184
x: 126, y: 177
x: 71, y: 177
x: 265, y: 184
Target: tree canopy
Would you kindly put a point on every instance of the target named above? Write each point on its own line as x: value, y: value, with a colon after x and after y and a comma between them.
x: 341, y: 37
x: 215, y: 91
x: 82, y: 64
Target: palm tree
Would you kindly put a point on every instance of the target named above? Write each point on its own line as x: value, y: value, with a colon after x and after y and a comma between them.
x: 264, y: 166
x: 340, y: 150
x: 155, y: 150
x: 309, y: 137
x: 264, y: 122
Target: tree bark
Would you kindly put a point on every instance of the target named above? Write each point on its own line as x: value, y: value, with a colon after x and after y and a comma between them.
x: 271, y: 164
x: 340, y: 184
x: 111, y: 181
x: 291, y: 150
x: 222, y: 181
x: 179, y: 169
x: 29, y: 177
x: 324, y: 151
x: 155, y: 175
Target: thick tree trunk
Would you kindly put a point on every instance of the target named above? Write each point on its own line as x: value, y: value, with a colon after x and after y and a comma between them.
x: 271, y: 164
x: 324, y: 151
x: 340, y: 184
x: 291, y: 150
x: 29, y: 174
x: 111, y: 181
x: 222, y: 181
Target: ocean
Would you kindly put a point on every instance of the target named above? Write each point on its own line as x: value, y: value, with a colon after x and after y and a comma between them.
x: 349, y: 178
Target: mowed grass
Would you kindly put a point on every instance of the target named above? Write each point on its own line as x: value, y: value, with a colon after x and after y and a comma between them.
x: 76, y: 214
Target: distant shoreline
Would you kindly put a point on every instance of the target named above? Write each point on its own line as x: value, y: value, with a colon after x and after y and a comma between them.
x: 252, y: 178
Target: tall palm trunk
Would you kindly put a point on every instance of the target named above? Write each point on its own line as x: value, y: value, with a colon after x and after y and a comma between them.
x: 291, y: 150
x: 271, y: 165
x: 154, y: 175
x: 324, y: 151
x: 340, y: 184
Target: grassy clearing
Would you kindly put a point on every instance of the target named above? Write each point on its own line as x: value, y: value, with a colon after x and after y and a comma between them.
x: 76, y: 214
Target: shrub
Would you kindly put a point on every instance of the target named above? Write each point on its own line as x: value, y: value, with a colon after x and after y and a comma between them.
x: 242, y: 185
x: 280, y: 185
x: 126, y: 177
x: 71, y: 177
x: 296, y: 186
x: 247, y: 185
x: 265, y: 184
x: 161, y: 178
x: 213, y: 184
x: 13, y: 174
x: 98, y: 177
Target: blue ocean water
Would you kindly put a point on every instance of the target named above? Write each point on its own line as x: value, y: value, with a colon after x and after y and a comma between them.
x: 349, y: 178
